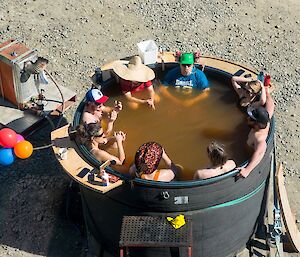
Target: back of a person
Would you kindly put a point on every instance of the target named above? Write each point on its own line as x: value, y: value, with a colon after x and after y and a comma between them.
x: 213, y: 172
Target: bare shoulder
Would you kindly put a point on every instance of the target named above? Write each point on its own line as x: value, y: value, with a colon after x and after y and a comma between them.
x: 230, y: 165
x: 166, y: 175
x: 202, y: 174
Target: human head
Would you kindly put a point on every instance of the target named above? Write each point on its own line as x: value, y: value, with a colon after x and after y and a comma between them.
x: 216, y: 154
x: 135, y: 70
x: 253, y: 87
x: 42, y: 62
x: 95, y: 96
x: 147, y: 157
x: 186, y: 63
x: 258, y: 117
x: 95, y: 132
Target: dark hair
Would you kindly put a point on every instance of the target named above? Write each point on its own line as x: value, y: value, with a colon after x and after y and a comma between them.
x: 42, y: 59
x: 87, y: 131
x: 216, y: 154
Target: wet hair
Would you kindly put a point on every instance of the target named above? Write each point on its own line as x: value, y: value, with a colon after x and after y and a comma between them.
x: 147, y: 157
x: 87, y: 131
x: 216, y: 154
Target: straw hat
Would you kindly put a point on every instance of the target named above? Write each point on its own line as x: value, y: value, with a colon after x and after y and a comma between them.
x: 134, y: 70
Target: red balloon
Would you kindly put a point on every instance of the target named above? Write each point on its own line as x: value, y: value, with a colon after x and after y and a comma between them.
x: 23, y: 149
x: 8, y: 137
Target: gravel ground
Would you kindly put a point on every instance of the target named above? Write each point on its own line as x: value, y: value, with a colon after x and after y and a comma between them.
x: 78, y: 36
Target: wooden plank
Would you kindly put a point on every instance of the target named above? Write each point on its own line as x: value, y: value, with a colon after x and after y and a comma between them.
x: 74, y: 162
x: 288, y: 217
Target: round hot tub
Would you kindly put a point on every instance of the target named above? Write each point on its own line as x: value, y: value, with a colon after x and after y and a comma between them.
x: 224, y: 211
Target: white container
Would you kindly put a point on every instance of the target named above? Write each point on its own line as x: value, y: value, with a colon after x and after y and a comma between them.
x: 148, y: 51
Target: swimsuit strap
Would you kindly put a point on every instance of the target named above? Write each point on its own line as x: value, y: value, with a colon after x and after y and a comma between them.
x: 155, y: 178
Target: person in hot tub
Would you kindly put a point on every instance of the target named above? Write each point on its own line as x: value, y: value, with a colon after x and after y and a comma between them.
x: 219, y: 162
x: 186, y: 75
x: 135, y: 78
x: 147, y: 159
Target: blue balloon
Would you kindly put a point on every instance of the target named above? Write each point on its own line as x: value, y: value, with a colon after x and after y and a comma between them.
x: 6, y: 156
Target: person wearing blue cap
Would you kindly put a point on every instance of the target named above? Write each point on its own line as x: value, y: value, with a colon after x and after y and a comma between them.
x: 186, y: 75
x: 95, y: 110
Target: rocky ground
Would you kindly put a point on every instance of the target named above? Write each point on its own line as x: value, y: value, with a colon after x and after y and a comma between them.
x: 77, y: 36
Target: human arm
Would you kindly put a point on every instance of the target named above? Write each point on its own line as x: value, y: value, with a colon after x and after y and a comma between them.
x: 131, y: 98
x: 235, y: 81
x: 104, y: 156
x: 111, y: 119
x: 172, y: 167
x: 270, y: 105
x: 262, y: 98
x: 198, y: 98
x: 255, y: 159
x: 151, y: 92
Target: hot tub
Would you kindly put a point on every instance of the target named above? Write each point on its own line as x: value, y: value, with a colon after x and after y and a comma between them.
x: 225, y: 212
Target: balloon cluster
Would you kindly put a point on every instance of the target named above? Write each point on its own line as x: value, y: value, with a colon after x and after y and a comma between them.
x: 13, y: 145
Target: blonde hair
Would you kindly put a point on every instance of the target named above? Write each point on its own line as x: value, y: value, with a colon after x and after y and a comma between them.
x: 255, y: 85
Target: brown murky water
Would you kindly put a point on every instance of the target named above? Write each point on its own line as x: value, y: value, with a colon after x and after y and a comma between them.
x: 184, y: 123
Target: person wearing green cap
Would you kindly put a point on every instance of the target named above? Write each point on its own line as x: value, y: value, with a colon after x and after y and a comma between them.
x: 186, y: 75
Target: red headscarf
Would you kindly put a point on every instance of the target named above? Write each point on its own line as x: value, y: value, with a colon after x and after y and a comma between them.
x: 147, y: 157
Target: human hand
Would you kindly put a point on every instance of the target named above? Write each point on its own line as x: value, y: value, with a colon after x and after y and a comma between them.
x: 120, y: 136
x: 150, y: 102
x: 243, y: 173
x: 118, y: 106
x: 113, y: 115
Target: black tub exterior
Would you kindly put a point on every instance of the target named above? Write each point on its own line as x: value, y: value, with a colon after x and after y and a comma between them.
x: 224, y: 211
x: 219, y: 231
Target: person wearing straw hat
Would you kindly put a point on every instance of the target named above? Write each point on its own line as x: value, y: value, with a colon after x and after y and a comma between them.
x: 136, y: 77
x: 95, y: 110
x: 186, y: 75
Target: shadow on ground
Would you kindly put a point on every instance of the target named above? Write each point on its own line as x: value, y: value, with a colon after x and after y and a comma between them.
x: 32, y: 205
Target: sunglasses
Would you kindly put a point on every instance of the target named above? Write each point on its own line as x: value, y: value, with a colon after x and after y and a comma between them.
x: 100, y: 135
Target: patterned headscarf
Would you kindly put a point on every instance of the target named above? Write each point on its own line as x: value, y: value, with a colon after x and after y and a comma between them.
x: 147, y: 157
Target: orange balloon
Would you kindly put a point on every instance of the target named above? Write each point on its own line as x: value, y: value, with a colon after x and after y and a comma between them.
x: 23, y: 149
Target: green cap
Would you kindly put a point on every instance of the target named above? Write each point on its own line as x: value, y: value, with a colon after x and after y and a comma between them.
x: 187, y: 58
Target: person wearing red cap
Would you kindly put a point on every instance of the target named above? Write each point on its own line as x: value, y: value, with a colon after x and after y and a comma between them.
x: 95, y: 110
x: 259, y: 120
